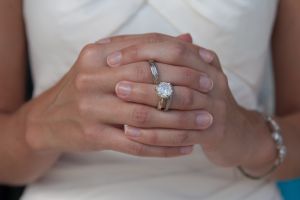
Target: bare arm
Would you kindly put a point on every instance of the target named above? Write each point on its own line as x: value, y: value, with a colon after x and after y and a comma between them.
x: 286, y: 54
x: 17, y: 158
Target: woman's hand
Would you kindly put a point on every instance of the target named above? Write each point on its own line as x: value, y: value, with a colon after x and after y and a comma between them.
x: 82, y: 113
x: 229, y: 133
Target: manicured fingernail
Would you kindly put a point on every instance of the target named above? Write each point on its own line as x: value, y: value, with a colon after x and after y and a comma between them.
x: 204, y: 119
x: 206, y: 84
x: 104, y: 41
x: 206, y: 55
x: 186, y: 150
x: 123, y: 89
x: 132, y: 131
x: 114, y: 59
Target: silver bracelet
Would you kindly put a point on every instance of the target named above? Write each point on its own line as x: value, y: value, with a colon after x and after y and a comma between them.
x: 280, y: 147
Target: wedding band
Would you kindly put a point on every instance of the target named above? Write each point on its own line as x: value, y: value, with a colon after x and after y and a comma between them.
x: 165, y: 92
x: 154, y: 71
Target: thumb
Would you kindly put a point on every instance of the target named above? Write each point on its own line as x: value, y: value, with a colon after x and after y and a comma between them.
x: 186, y: 37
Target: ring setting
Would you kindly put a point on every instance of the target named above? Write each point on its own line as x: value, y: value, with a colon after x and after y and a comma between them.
x: 165, y: 92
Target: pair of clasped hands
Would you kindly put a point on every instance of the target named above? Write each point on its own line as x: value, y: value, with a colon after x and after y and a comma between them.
x: 110, y: 85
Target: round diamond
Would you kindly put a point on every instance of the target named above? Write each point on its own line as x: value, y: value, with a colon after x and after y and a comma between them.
x: 164, y: 89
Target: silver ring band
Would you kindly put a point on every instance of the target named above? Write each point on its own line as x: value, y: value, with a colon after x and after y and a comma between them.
x: 154, y: 71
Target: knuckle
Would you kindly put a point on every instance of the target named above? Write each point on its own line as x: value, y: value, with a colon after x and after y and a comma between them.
x: 83, y: 105
x: 89, y: 56
x: 142, y: 72
x: 140, y: 115
x: 186, y: 99
x: 223, y: 80
x: 81, y: 80
x: 153, y: 139
x: 89, y: 137
x: 155, y: 38
x: 182, y: 138
x: 178, y: 50
x: 183, y: 120
x: 188, y: 76
x: 88, y: 50
x: 132, y: 52
x: 138, y: 149
x: 213, y: 54
x: 87, y: 143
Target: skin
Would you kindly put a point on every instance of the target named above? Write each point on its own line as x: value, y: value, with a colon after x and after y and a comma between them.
x: 76, y: 115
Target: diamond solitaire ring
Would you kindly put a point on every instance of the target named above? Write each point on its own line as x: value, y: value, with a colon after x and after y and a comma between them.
x: 154, y: 71
x: 165, y: 92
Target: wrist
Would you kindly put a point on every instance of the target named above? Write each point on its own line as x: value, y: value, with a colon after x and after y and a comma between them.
x: 23, y: 163
x: 262, y: 148
x: 36, y: 134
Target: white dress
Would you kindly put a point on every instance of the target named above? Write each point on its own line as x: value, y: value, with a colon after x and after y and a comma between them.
x: 238, y: 30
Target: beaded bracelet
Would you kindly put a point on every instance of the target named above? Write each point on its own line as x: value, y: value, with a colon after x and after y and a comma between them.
x: 280, y: 147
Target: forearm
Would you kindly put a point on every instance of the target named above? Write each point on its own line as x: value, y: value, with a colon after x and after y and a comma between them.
x: 20, y: 164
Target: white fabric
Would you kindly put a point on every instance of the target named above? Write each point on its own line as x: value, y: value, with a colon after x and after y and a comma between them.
x: 238, y: 30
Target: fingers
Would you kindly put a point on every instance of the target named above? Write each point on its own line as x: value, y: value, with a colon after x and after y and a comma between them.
x: 210, y: 57
x: 169, y: 52
x: 106, y: 79
x: 162, y: 48
x: 104, y: 137
x: 134, y: 48
x: 119, y: 142
x: 186, y: 37
x: 144, y: 38
x: 94, y: 55
x: 183, y: 98
x: 175, y: 138
x: 165, y: 137
x: 165, y: 49
x: 143, y: 116
x: 182, y: 76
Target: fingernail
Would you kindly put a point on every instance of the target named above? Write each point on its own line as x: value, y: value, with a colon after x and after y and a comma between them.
x: 186, y: 37
x: 186, y: 150
x: 114, y: 59
x: 206, y: 55
x: 131, y: 131
x: 104, y: 41
x: 206, y: 84
x: 204, y: 119
x: 123, y: 89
